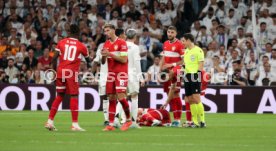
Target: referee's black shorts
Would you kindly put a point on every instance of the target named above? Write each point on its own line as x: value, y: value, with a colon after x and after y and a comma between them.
x: 192, y: 84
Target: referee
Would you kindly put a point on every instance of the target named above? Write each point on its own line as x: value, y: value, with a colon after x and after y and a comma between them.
x: 193, y: 63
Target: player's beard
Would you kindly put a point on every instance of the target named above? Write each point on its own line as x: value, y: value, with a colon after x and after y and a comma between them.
x: 171, y: 38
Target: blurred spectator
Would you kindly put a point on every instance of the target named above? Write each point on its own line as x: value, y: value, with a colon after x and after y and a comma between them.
x: 220, y: 12
x: 264, y: 78
x: 236, y: 78
x: 3, y: 44
x: 221, y: 36
x: 30, y: 61
x: 146, y: 45
x: 265, y: 60
x: 29, y: 77
x: 107, y: 14
x: 204, y: 37
x: 218, y: 72
x: 3, y: 77
x: 153, y: 72
x: 20, y: 55
x: 133, y: 13
x: 38, y: 79
x: 207, y: 20
x: 44, y: 37
x: 212, y: 50
x: 9, y: 54
x: 264, y: 36
x: 195, y: 29
x: 251, y: 66
x: 99, y: 37
x: 155, y: 31
x: 164, y: 16
x: 4, y: 60
x: 11, y: 70
x: 272, y: 61
x: 231, y: 21
x: 234, y: 57
x: 38, y: 49
x: 45, y: 60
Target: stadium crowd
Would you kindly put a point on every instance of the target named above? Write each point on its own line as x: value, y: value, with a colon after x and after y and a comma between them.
x: 30, y: 29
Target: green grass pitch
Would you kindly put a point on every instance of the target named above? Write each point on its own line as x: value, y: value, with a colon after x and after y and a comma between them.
x: 24, y: 131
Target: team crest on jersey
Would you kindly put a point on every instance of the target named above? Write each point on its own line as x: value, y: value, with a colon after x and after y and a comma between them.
x: 173, y: 48
x: 116, y: 47
x: 192, y: 58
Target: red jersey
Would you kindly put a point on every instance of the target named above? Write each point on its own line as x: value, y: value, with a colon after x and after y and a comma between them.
x: 205, y: 77
x: 43, y: 61
x: 158, y: 114
x: 70, y: 51
x: 173, y: 52
x: 118, y: 48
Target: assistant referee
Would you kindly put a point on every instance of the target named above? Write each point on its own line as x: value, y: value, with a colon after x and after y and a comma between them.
x: 193, y: 63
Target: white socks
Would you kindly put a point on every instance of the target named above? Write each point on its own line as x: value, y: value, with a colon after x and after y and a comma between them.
x: 119, y: 110
x: 134, y: 108
x: 75, y: 124
x: 105, y: 109
x: 50, y: 121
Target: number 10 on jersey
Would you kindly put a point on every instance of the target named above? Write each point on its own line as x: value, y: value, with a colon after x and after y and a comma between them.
x: 70, y: 52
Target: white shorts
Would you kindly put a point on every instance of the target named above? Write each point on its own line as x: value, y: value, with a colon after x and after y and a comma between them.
x: 133, y: 87
x: 102, y: 89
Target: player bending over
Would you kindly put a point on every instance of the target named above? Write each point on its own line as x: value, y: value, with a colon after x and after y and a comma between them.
x: 69, y: 51
x: 173, y: 51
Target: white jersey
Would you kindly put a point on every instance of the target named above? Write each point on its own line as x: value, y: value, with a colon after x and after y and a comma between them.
x: 104, y: 68
x: 134, y: 66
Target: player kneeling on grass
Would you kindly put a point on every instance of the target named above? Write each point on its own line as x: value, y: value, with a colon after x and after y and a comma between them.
x: 173, y: 97
x: 68, y: 50
x: 153, y: 117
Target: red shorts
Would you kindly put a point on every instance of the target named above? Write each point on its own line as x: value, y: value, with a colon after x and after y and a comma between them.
x: 116, y: 83
x: 68, y: 86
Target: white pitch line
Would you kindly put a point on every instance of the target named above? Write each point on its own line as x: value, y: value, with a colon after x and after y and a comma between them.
x: 134, y: 144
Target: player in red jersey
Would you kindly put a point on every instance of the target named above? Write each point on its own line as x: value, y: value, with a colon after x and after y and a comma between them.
x: 69, y: 51
x: 115, y: 53
x: 153, y: 117
x: 173, y: 51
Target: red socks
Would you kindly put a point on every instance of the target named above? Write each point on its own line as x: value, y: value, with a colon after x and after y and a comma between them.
x: 54, y: 107
x: 112, y: 110
x: 74, y: 107
x: 125, y: 107
x: 176, y: 107
x: 188, y: 111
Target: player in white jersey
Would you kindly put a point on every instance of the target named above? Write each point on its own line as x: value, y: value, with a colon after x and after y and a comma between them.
x: 102, y: 81
x: 134, y: 78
